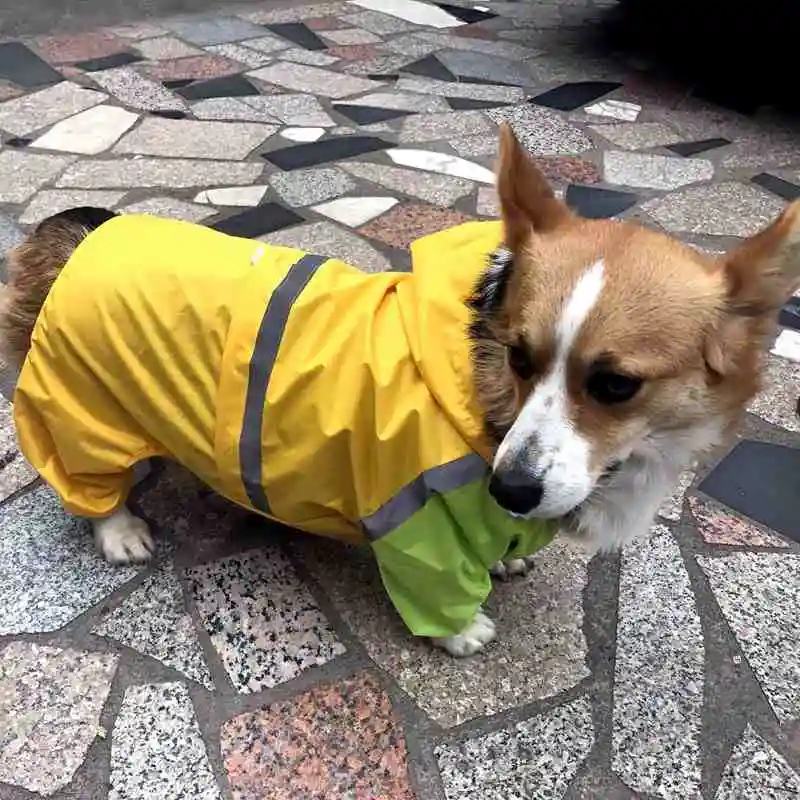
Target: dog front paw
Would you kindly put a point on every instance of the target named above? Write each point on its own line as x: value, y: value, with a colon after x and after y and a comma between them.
x: 471, y: 640
x: 123, y: 538
x: 511, y: 568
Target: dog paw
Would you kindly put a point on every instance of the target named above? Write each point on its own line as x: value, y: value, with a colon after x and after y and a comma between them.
x: 509, y: 569
x: 123, y: 538
x: 472, y: 640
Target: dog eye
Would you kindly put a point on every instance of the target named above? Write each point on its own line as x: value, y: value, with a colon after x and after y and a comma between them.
x: 609, y: 388
x: 520, y: 362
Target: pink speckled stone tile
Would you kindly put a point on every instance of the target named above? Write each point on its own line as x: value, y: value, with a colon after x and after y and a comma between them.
x: 568, y: 168
x: 355, y: 52
x: 338, y: 741
x: 408, y: 221
x: 78, y: 46
x: 191, y: 68
x: 326, y: 24
x: 718, y: 527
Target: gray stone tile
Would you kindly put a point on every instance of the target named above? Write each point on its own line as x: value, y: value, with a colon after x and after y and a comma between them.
x: 37, y: 110
x: 297, y: 13
x: 262, y: 620
x: 24, y: 173
x: 759, y: 594
x: 293, y: 109
x: 153, y: 620
x: 330, y: 240
x: 637, y: 135
x: 312, y: 58
x: 49, y: 570
x: 541, y: 131
x: 756, y: 770
x: 649, y: 171
x: 10, y: 236
x: 488, y: 205
x: 136, y: 91
x: 248, y: 56
x: 266, y: 43
x: 475, y: 146
x: 382, y: 24
x: 157, y: 749
x: 230, y: 108
x: 441, y: 190
x: 379, y: 65
x: 672, y: 507
x: 473, y: 64
x: 166, y: 47
x: 441, y: 163
x: 722, y: 209
x: 536, y: 758
x: 174, y: 173
x: 346, y: 36
x: 213, y: 30
x: 402, y: 102
x: 777, y: 401
x: 430, y: 127
x: 50, y: 702
x: 758, y: 151
x: 660, y: 654
x: 476, y: 91
x: 304, y: 187
x: 186, y: 138
x: 448, y: 41
x: 170, y: 207
x: 53, y: 201
x: 301, y: 78
x: 16, y: 472
x: 540, y: 649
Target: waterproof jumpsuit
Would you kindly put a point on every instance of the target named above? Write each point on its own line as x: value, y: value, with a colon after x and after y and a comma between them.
x: 336, y: 402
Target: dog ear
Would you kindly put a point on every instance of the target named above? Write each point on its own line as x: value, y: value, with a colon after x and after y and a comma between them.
x: 527, y: 202
x: 760, y: 274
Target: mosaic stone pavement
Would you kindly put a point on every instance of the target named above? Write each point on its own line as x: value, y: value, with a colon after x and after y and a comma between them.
x: 250, y: 662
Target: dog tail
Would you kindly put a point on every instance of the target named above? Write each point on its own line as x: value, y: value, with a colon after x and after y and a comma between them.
x: 33, y: 267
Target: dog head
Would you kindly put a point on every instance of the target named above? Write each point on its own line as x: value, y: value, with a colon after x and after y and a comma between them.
x: 596, y: 342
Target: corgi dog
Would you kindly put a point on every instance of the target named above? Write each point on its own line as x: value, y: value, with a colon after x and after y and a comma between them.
x: 545, y: 373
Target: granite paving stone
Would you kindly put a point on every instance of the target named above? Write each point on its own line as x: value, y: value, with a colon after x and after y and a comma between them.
x: 248, y: 56
x: 377, y: 22
x: 356, y: 53
x: 637, y: 135
x: 539, y: 651
x: 787, y: 345
x: 136, y: 91
x: 304, y: 187
x: 157, y: 749
x: 756, y: 770
x: 293, y: 109
x: 138, y: 30
x: 170, y: 207
x: 330, y: 240
x: 431, y: 127
x: 759, y: 594
x: 443, y: 163
x: 53, y: 201
x: 89, y: 132
x: 334, y: 742
x: 412, y: 11
x: 476, y: 91
x: 303, y: 134
x: 351, y: 36
x: 721, y: 209
x: 70, y: 47
x: 656, y: 746
x: 174, y: 173
x: 301, y: 78
x: 407, y: 222
x: 444, y: 41
x: 672, y: 507
x: 542, y: 132
x: 312, y: 58
x: 401, y: 102
x: 230, y: 109
x: 355, y: 211
x: 34, y: 111
x: 261, y: 619
x: 616, y: 109
x: 429, y: 67
x: 441, y: 190
x: 50, y: 701
x: 165, y: 47
x: 267, y: 43
x: 475, y: 146
x: 491, y: 68
x: 23, y: 67
x: 190, y: 68
x: 195, y: 139
x: 377, y: 67
x: 718, y: 526
x: 15, y: 471
x: 213, y: 30
x: 488, y: 204
x: 10, y: 236
x: 232, y: 196
x: 648, y: 171
x: 24, y: 173
x: 297, y: 13
x: 535, y: 758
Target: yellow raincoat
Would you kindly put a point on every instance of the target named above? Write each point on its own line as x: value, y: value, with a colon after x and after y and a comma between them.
x: 336, y: 402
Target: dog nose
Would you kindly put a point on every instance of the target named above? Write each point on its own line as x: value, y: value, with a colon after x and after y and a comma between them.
x: 517, y: 495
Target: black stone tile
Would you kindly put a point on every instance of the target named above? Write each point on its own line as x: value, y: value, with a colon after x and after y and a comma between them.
x: 388, y: 76
x: 700, y: 146
x: 468, y: 103
x: 594, y: 203
x: 108, y: 62
x: 366, y: 115
x: 169, y: 114
x: 762, y: 481
x: 258, y: 221
x: 468, y: 15
x: 22, y: 66
x: 298, y: 33
x: 429, y: 67
x: 788, y: 191
x: 333, y: 149
x: 226, y: 86
x: 570, y: 96
x: 729, y: 94
x: 790, y: 314
x: 179, y: 83
x: 18, y: 141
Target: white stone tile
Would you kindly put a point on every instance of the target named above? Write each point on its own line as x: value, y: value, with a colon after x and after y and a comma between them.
x: 24, y: 173
x: 442, y: 163
x: 89, y: 132
x: 170, y: 207
x: 53, y: 201
x: 787, y: 345
x: 411, y: 11
x: 232, y: 196
x: 616, y: 109
x: 355, y: 211
x: 375, y: 22
x: 301, y: 78
x: 39, y: 109
x: 658, y: 678
x: 648, y: 171
x: 303, y: 134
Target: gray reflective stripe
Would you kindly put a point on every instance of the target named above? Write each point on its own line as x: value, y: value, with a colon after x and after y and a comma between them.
x: 413, y: 496
x: 265, y: 351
